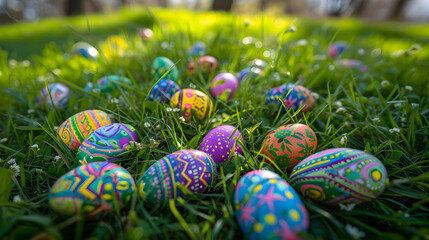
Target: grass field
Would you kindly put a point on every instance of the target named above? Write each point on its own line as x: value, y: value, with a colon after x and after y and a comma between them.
x: 384, y: 111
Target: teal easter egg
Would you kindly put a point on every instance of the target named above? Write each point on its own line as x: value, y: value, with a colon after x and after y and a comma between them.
x: 110, y: 83
x: 94, y: 188
x: 107, y: 143
x: 192, y: 169
x: 161, y: 65
x: 85, y: 49
x: 268, y: 207
x: 340, y: 175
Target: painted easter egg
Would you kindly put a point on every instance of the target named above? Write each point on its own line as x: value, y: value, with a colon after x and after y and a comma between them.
x: 293, y: 96
x: 224, y: 82
x: 192, y: 169
x: 114, y: 46
x: 258, y: 63
x: 351, y: 64
x: 337, y: 48
x: 60, y: 94
x: 146, y: 33
x: 268, y: 207
x: 188, y: 99
x: 288, y: 145
x: 161, y: 65
x: 85, y: 49
x: 106, y: 143
x: 198, y: 49
x: 207, y: 65
x: 110, y: 83
x: 249, y: 73
x: 95, y: 188
x: 340, y: 175
x: 163, y: 91
x: 77, y: 127
x: 219, y: 143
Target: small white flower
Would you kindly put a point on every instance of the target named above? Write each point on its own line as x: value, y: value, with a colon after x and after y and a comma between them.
x: 57, y: 71
x: 16, y: 169
x: 341, y: 110
x: 376, y: 52
x: 17, y: 198
x: 331, y: 67
x: 158, y: 126
x: 3, y: 140
x: 12, y: 62
x: 176, y: 110
x: 361, y: 51
x: 147, y: 124
x: 114, y: 100
x: 395, y: 130
x: 266, y: 54
x: 385, y: 83
x: 258, y: 44
x: 11, y: 161
x: 41, y: 78
x: 182, y: 119
x: 409, y: 88
x: 407, y: 215
x: 343, y: 140
x: 169, y: 109
x: 348, y: 207
x: 30, y: 111
x: 38, y: 170
x: 57, y: 158
x: 376, y: 120
x: 192, y: 85
x: 338, y: 104
x: 36, y: 146
x: 397, y: 105
x: 55, y: 128
x: 354, y: 231
x: 25, y: 63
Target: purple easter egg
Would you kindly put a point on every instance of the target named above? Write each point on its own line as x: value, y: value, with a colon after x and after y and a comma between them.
x: 223, y: 82
x: 220, y: 141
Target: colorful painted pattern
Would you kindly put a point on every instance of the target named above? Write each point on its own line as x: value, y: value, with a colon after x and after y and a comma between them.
x: 249, y: 73
x: 293, y: 96
x: 340, y: 175
x: 268, y: 207
x: 352, y: 64
x: 224, y: 82
x: 76, y: 128
x: 160, y: 66
x: 198, y: 49
x: 219, y: 143
x: 258, y: 63
x: 106, y: 143
x: 110, y: 83
x: 288, y: 145
x: 163, y: 91
x: 206, y: 64
x: 85, y: 49
x: 60, y: 94
x: 188, y: 99
x: 337, y: 48
x: 94, y: 188
x: 192, y: 169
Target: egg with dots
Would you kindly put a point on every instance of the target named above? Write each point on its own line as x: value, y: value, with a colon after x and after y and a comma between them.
x: 190, y: 99
x: 221, y: 142
x: 224, y: 83
x: 76, y: 128
x: 163, y: 91
x: 85, y: 49
x: 197, y: 49
x: 206, y: 64
x: 268, y: 207
x: 193, y: 169
x: 59, y: 93
x: 340, y: 175
x: 160, y: 66
x: 290, y: 96
x: 353, y: 64
x: 249, y: 74
x: 337, y: 48
x: 107, y: 143
x: 94, y: 189
x: 288, y: 145
x: 109, y: 84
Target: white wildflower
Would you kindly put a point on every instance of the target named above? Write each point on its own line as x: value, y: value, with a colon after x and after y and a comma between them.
x: 182, y: 119
x: 30, y: 111
x: 114, y: 100
x: 258, y: 44
x: 169, y: 109
x: 361, y: 51
x: 341, y: 110
x: 147, y: 124
x: 395, y: 130
x: 35, y: 146
x: 41, y: 78
x: 57, y: 158
x: 192, y: 85
x: 385, y: 83
x: 176, y: 110
x: 247, y: 40
x: 376, y: 120
x: 354, y: 232
x: 16, y: 169
x: 348, y: 207
x: 3, y: 140
x: 266, y: 54
x: 376, y: 52
x: 17, y: 198
x: 165, y: 45
x: 25, y: 63
x: 12, y: 62
x: 331, y: 67
x: 38, y: 170
x: 55, y: 128
x: 338, y: 104
x: 409, y: 88
x: 407, y: 215
x: 343, y: 140
x: 158, y: 126
x: 397, y: 105
x: 11, y: 161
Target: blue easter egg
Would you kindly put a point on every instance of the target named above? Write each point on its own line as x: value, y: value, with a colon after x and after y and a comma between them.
x: 163, y: 91
x: 293, y: 96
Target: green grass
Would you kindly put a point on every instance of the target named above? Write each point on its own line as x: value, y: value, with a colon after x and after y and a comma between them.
x: 42, y: 56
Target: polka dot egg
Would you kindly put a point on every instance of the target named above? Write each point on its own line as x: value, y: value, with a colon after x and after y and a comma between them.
x: 94, y: 188
x: 224, y: 83
x: 60, y: 94
x: 192, y: 169
x: 163, y: 91
x: 220, y: 142
x: 191, y: 99
x: 268, y: 207
x: 340, y: 175
x: 161, y: 65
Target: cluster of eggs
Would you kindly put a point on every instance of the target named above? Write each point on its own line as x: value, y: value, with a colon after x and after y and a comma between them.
x: 336, y: 49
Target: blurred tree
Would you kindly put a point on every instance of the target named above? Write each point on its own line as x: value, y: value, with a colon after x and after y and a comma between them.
x: 162, y: 3
x: 222, y: 5
x: 398, y: 9
x: 75, y: 7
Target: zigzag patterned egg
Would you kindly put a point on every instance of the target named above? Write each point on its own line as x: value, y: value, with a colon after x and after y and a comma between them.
x: 76, y: 128
x: 337, y: 48
x: 161, y: 65
x: 288, y: 145
x: 106, y: 143
x: 163, y: 91
x: 192, y: 169
x: 268, y: 207
x: 94, y: 188
x: 188, y: 99
x: 60, y: 94
x: 85, y: 49
x: 219, y: 143
x: 340, y: 175
x: 293, y: 96
x: 110, y: 83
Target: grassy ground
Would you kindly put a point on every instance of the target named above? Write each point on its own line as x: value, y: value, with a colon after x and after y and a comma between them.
x: 355, y: 110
